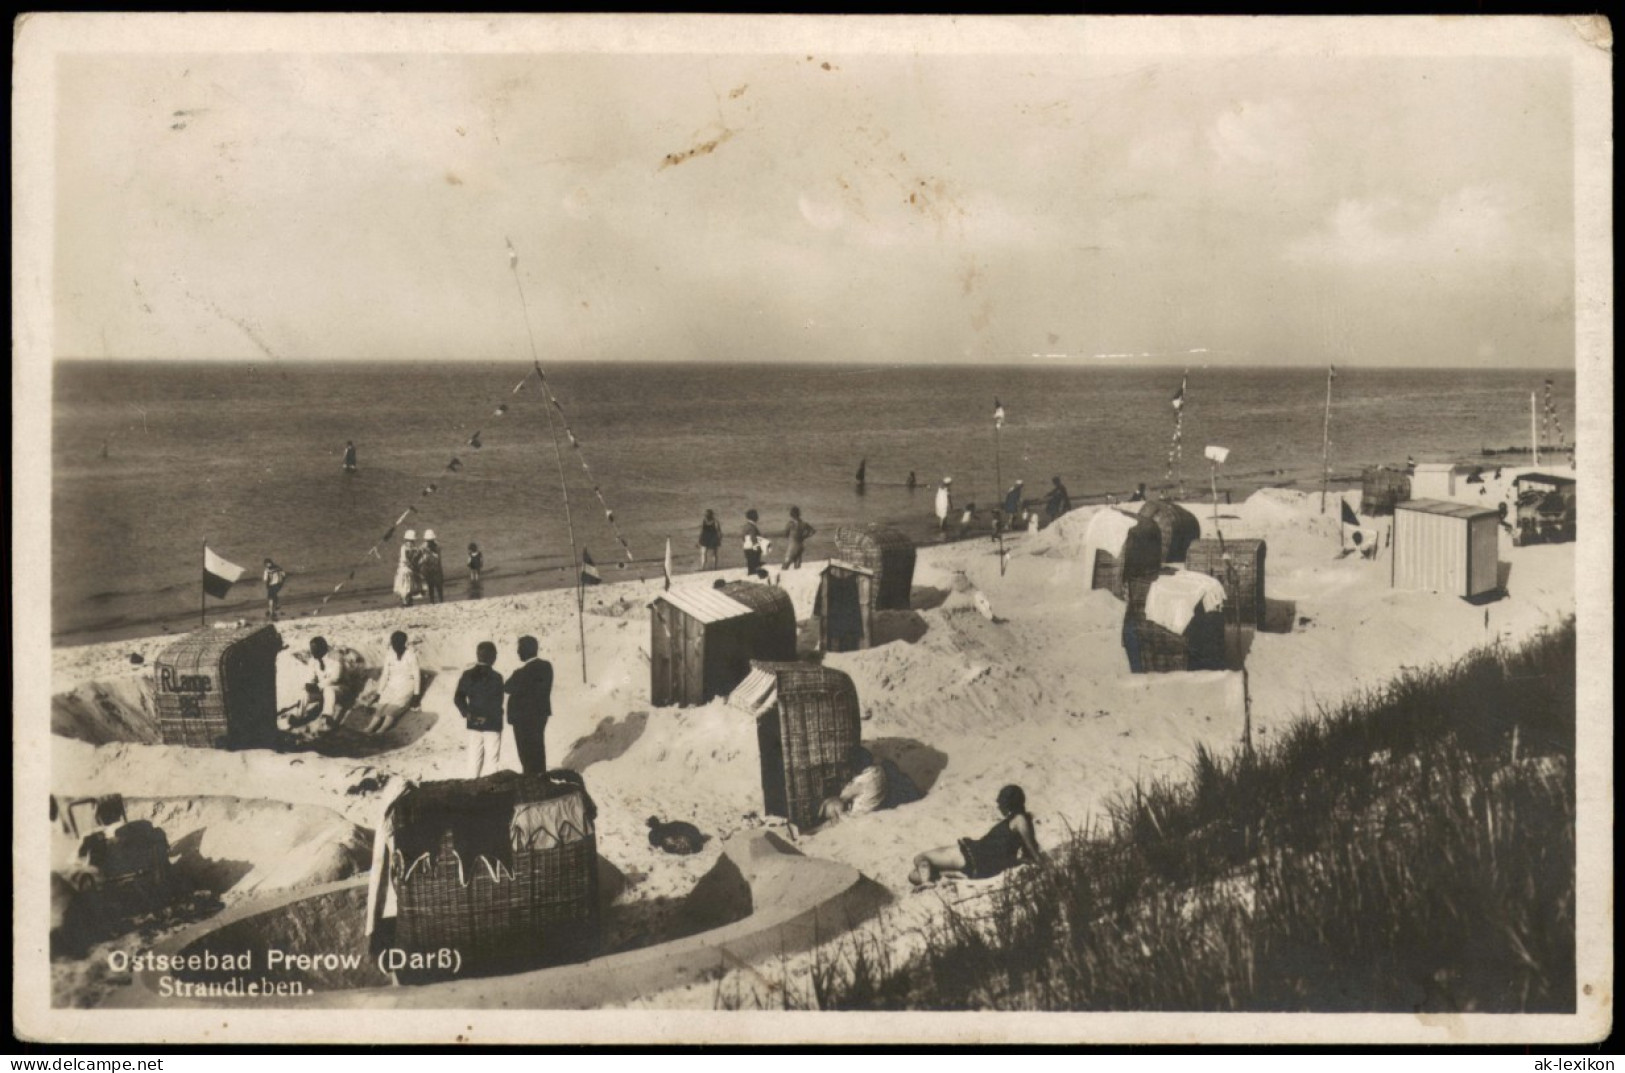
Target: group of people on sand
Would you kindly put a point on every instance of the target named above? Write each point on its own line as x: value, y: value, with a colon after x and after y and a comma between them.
x: 1015, y: 512
x: 797, y: 532
x: 880, y: 784
x: 528, y: 693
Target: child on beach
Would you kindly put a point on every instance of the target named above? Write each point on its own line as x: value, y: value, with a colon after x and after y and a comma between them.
x: 1006, y: 844
x: 406, y: 581
x: 476, y: 563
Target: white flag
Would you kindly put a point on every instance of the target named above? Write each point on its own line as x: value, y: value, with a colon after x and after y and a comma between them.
x: 666, y: 566
x: 218, y: 574
x: 998, y: 414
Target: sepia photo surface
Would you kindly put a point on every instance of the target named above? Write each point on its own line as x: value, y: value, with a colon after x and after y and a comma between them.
x: 706, y: 529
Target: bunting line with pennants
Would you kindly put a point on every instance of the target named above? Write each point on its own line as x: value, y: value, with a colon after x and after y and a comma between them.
x: 998, y: 479
x: 1326, y: 439
x: 1552, y: 425
x: 1176, y: 451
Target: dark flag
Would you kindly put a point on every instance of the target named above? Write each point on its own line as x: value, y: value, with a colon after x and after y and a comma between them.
x: 474, y: 441
x: 589, y: 569
x: 218, y: 574
x: 862, y: 468
x: 1349, y: 517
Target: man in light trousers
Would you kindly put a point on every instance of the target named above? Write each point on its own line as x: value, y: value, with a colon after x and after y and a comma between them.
x: 479, y: 698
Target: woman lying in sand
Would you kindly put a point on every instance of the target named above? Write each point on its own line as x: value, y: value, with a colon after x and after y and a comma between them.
x: 1006, y: 844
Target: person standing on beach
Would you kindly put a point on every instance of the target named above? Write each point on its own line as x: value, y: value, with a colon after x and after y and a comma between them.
x: 434, y: 574
x: 1059, y: 501
x: 1139, y: 494
x: 479, y: 699
x: 349, y: 456
x: 945, y: 502
x: 530, y: 705
x: 275, y: 578
x: 1012, y: 502
x: 710, y: 540
x: 400, y: 685
x: 913, y: 482
x: 796, y: 534
x: 405, y: 573
x: 755, y: 547
x: 966, y: 518
x: 476, y: 563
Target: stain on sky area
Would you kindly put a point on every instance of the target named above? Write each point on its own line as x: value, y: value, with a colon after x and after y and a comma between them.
x: 452, y: 179
x: 738, y: 92
x: 703, y: 149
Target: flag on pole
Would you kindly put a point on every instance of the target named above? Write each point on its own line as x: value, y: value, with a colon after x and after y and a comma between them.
x: 998, y: 414
x: 218, y: 574
x: 1349, y: 517
x: 513, y: 254
x: 1331, y: 372
x: 1179, y: 396
x: 665, y: 564
x: 589, y: 569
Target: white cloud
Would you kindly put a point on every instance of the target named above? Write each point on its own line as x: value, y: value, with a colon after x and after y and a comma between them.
x: 1472, y: 224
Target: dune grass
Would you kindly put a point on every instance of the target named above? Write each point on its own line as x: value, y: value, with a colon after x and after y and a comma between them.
x: 1410, y: 851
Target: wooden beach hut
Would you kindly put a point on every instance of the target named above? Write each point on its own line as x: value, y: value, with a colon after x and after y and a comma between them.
x: 702, y: 639
x: 845, y: 615
x: 216, y: 688
x: 502, y: 869
x: 807, y: 725
x: 1176, y: 525
x: 1381, y: 488
x: 1238, y: 565
x: 1445, y: 547
x: 1155, y: 647
x: 888, y: 554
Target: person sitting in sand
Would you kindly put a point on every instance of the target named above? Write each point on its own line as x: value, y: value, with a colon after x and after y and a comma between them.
x: 1006, y: 844
x: 400, y: 685
x: 879, y: 784
x: 1059, y: 502
x: 318, y: 713
x: 1139, y: 494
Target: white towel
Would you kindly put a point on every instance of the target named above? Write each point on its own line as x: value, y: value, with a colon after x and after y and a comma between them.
x: 1107, y: 531
x: 1174, y: 598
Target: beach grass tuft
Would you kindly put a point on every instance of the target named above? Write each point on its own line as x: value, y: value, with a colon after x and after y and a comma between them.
x: 1411, y: 850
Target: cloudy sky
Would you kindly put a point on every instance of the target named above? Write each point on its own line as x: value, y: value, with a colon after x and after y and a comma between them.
x: 828, y: 204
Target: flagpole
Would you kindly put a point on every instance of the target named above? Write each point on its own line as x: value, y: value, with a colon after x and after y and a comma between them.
x: 558, y: 456
x: 203, y: 590
x: 998, y: 478
x: 1326, y: 443
x: 1534, y: 437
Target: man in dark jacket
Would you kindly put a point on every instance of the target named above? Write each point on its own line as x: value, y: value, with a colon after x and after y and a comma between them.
x: 530, y: 703
x: 479, y: 698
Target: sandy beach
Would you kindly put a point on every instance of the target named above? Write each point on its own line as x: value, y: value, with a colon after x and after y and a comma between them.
x: 1038, y: 694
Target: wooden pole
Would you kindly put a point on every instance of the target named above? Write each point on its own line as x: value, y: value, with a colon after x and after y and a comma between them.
x: 1326, y: 444
x: 203, y: 591
x: 998, y: 486
x: 1534, y: 436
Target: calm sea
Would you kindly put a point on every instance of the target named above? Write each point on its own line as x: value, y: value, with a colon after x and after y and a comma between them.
x: 152, y: 459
